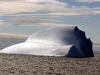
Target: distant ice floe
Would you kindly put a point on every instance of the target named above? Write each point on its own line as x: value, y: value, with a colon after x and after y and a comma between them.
x: 66, y: 41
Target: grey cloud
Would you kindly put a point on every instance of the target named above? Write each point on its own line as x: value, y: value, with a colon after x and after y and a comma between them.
x: 33, y: 20
x: 25, y: 20
x: 13, y: 35
x: 55, y: 8
x: 89, y: 1
x: 2, y: 22
x: 96, y: 44
x: 10, y: 0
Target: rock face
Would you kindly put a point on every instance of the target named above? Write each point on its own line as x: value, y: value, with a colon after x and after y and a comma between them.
x: 66, y: 41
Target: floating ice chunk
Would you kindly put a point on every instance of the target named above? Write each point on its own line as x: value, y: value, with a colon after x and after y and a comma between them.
x: 66, y: 41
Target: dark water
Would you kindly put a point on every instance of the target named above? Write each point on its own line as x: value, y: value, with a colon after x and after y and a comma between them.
x: 8, y: 41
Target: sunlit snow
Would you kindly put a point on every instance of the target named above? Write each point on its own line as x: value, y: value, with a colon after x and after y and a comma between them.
x: 66, y: 41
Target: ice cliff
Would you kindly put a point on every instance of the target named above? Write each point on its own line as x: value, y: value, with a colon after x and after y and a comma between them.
x: 66, y: 41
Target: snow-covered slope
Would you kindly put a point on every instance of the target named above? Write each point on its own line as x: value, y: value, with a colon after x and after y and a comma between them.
x: 58, y: 41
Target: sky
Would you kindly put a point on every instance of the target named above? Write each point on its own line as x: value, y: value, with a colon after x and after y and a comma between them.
x: 28, y: 16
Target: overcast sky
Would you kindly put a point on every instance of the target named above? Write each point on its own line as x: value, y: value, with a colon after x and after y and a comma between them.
x: 29, y: 16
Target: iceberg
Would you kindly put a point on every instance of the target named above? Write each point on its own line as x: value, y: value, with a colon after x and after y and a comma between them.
x: 66, y: 41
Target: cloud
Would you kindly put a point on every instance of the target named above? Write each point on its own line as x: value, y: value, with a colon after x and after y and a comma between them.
x: 20, y: 6
x: 56, y: 24
x: 90, y: 1
x: 96, y: 44
x: 55, y: 2
x: 15, y: 7
x: 2, y: 22
x: 25, y: 20
x: 83, y: 10
x: 49, y: 7
x: 13, y: 35
x: 9, y: 0
x: 35, y: 21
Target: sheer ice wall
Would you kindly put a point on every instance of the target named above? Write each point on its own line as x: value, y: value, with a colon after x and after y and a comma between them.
x: 66, y: 41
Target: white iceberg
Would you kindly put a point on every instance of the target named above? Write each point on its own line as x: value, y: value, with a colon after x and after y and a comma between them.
x: 66, y: 41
